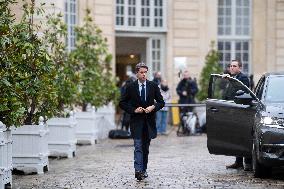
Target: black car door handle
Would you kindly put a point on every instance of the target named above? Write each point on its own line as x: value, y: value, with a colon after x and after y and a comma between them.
x: 214, y: 109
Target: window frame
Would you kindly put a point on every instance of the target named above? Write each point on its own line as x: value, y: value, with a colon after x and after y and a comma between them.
x: 234, y: 38
x: 71, y: 19
x: 138, y: 16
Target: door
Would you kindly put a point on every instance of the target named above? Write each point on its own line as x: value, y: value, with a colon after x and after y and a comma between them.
x: 229, y: 125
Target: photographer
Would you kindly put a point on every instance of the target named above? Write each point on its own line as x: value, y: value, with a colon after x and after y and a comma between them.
x: 186, y: 89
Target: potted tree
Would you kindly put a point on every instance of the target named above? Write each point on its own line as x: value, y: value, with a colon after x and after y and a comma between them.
x: 91, y: 55
x: 62, y: 139
x: 11, y: 107
x: 34, y: 75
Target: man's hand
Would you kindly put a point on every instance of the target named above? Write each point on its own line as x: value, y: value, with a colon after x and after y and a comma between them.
x: 149, y: 109
x: 184, y: 93
x: 139, y: 110
x: 225, y: 75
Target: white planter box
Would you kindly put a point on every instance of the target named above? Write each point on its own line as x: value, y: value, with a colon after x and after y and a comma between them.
x: 101, y: 126
x: 30, y: 148
x: 87, y: 130
x: 108, y: 122
x: 62, y: 138
x: 108, y: 112
x: 5, y: 157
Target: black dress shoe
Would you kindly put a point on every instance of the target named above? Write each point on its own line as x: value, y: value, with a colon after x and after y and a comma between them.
x: 145, y: 174
x: 139, y: 175
x: 235, y: 166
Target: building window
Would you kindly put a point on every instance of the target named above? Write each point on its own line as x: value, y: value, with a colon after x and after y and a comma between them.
x: 158, y: 13
x: 131, y: 12
x: 224, y: 48
x: 242, y: 17
x: 145, y: 13
x: 242, y: 53
x: 224, y: 17
x: 71, y: 21
x: 156, y: 55
x: 234, y: 32
x: 120, y: 12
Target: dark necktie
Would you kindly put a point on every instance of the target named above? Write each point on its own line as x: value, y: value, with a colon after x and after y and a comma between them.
x: 143, y: 93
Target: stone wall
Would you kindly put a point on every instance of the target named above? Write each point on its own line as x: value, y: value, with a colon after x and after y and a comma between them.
x: 192, y: 26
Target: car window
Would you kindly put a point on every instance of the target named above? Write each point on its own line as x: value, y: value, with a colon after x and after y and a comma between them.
x: 217, y: 87
x: 259, y: 88
x: 274, y: 93
x: 226, y: 89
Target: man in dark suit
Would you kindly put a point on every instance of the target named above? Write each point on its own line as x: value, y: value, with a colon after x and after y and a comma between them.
x: 235, y: 71
x: 142, y: 99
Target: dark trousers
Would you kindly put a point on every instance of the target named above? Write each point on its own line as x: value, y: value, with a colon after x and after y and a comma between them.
x: 239, y: 160
x: 141, y: 151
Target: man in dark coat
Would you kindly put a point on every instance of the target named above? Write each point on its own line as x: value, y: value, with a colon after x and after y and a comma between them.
x: 142, y: 99
x: 235, y: 71
x: 186, y: 89
x: 157, y: 77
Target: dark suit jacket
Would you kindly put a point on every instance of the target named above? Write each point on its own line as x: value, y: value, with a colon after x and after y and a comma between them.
x: 230, y: 91
x: 190, y: 86
x: 243, y: 78
x: 131, y: 100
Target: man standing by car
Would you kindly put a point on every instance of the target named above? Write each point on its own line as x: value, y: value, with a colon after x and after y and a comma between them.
x: 235, y: 71
x: 142, y: 99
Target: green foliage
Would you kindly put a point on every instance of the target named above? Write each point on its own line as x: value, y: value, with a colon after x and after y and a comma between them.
x: 211, y: 66
x: 11, y: 108
x: 67, y: 75
x: 110, y: 92
x: 39, y: 78
x: 97, y: 85
x: 27, y: 72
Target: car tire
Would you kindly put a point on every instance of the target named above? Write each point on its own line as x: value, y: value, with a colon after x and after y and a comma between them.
x: 259, y: 170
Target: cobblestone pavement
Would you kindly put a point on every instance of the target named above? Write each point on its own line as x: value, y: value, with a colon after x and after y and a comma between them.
x: 174, y: 162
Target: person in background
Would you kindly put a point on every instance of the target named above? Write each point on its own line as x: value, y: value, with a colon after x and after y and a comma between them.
x: 162, y: 114
x: 186, y: 89
x: 157, y: 77
x: 126, y: 116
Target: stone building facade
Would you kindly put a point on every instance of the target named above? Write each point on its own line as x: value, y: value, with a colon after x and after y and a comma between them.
x: 173, y: 35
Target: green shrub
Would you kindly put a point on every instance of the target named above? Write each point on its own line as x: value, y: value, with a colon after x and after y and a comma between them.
x: 211, y: 66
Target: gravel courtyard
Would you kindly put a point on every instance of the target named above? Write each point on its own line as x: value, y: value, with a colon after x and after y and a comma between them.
x: 174, y: 162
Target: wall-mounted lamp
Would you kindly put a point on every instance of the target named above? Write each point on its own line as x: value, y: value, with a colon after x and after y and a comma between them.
x: 132, y: 56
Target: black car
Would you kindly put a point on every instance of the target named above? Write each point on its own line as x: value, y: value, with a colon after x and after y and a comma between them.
x: 245, y: 123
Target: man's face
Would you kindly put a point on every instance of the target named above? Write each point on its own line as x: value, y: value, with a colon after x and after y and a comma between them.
x: 185, y: 74
x: 234, y: 68
x: 142, y: 74
x: 158, y: 75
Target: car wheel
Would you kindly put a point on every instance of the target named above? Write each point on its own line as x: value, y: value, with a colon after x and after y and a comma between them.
x: 259, y: 170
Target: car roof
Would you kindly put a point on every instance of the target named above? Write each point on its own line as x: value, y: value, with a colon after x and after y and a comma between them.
x: 274, y: 73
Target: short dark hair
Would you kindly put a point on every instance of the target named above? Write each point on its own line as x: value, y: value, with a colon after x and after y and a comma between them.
x: 140, y: 65
x: 238, y: 61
